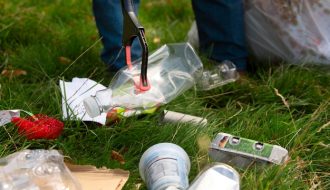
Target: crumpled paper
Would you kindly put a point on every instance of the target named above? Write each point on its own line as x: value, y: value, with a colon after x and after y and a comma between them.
x: 73, y: 94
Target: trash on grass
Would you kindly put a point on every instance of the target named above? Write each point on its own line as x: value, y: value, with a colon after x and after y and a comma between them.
x: 220, y: 75
x: 92, y: 178
x: 73, y: 94
x: 176, y: 117
x: 36, y: 169
x: 165, y: 166
x: 45, y: 169
x: 38, y: 126
x: 7, y: 115
x: 172, y: 70
x: 241, y: 152
x: 216, y: 176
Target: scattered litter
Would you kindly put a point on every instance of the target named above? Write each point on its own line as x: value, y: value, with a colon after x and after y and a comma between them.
x: 38, y: 126
x: 34, y: 126
x: 242, y: 152
x: 45, y: 169
x: 73, y: 94
x: 172, y: 70
x: 7, y: 115
x: 176, y: 117
x: 220, y: 75
x: 92, y: 178
x: 36, y: 169
x: 165, y: 166
x: 215, y: 177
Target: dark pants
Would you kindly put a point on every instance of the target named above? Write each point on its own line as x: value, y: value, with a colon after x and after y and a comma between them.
x: 109, y: 21
x: 220, y: 25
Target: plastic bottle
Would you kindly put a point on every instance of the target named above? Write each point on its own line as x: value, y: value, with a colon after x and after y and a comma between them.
x: 165, y: 166
x: 172, y: 69
x: 222, y: 74
x: 215, y: 177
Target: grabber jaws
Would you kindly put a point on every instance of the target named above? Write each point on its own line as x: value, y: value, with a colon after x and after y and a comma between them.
x: 132, y: 29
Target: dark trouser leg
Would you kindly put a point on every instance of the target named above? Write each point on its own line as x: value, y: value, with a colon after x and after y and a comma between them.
x: 220, y: 26
x: 109, y: 21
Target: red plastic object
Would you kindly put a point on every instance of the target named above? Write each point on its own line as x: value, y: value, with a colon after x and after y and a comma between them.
x: 38, y: 126
x: 142, y: 85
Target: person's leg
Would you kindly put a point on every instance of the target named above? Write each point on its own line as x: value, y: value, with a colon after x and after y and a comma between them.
x: 109, y: 21
x: 220, y: 26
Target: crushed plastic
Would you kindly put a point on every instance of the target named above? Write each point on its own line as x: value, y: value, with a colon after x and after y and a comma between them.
x: 172, y: 70
x: 34, y: 170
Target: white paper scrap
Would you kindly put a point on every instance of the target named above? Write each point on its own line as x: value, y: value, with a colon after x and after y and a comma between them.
x: 7, y: 115
x: 73, y: 94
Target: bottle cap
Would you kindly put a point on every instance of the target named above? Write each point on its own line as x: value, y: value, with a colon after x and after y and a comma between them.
x: 92, y: 107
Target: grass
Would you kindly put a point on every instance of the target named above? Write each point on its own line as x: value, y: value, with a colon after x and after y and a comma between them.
x: 35, y: 34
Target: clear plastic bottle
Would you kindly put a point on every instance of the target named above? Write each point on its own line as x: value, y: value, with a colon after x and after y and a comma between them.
x: 222, y: 74
x: 172, y: 69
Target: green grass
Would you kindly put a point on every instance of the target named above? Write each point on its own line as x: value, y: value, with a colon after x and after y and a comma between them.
x: 35, y: 33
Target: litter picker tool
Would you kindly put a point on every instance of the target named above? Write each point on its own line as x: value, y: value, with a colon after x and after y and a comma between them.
x: 132, y: 29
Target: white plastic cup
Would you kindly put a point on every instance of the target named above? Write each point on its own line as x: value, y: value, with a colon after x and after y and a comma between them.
x: 165, y: 166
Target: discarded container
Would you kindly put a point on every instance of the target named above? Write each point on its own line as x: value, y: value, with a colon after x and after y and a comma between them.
x: 165, y: 166
x: 172, y: 70
x: 176, y: 117
x: 34, y: 170
x: 222, y: 74
x: 215, y: 177
x: 241, y: 152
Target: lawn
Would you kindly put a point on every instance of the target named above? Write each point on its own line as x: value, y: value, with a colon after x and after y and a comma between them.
x: 282, y: 104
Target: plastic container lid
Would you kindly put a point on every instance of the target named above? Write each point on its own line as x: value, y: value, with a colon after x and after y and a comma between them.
x: 92, y: 107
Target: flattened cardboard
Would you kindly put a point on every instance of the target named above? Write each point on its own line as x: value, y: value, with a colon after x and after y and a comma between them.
x: 92, y: 178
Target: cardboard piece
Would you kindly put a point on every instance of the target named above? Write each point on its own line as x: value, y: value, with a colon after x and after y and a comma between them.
x: 92, y: 178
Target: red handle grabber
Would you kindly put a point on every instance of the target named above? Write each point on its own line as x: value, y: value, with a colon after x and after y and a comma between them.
x: 132, y: 29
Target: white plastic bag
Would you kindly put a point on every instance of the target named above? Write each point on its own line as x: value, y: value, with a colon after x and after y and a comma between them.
x: 292, y: 30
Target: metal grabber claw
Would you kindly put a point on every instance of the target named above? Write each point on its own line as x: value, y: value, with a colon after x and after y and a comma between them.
x: 132, y: 29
